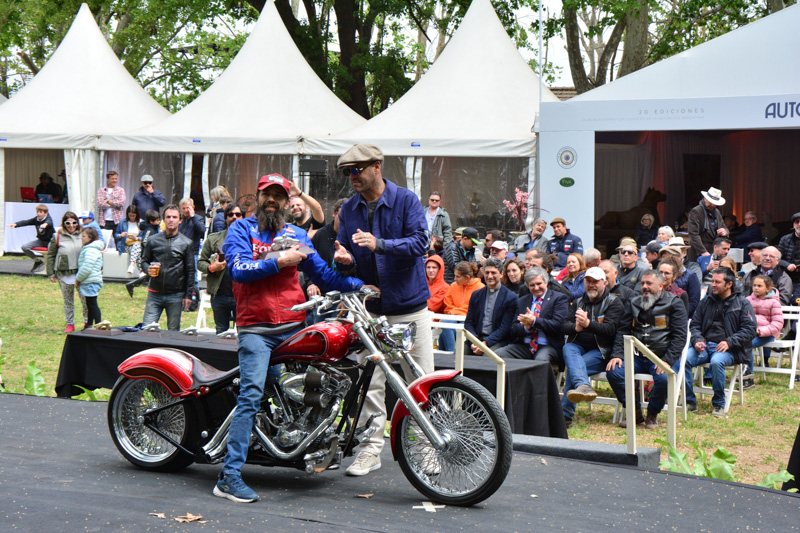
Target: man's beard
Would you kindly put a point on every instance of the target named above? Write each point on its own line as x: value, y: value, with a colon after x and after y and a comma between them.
x: 269, y: 221
x: 649, y: 300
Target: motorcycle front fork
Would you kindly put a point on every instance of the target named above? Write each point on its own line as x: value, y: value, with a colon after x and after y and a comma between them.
x: 400, y: 388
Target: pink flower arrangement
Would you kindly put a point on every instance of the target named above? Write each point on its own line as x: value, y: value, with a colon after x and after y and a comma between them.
x: 518, y: 208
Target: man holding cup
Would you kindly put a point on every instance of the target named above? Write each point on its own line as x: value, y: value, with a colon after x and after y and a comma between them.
x: 168, y: 259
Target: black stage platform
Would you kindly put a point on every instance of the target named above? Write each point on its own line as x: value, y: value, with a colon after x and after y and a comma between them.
x: 61, y: 472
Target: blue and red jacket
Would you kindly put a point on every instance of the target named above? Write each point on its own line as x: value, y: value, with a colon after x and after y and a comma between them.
x: 263, y: 292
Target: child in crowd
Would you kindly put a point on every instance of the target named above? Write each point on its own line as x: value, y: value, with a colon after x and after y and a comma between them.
x: 148, y: 227
x: 769, y: 316
x: 90, y: 273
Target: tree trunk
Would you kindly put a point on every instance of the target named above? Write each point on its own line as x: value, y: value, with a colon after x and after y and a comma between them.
x: 422, y: 42
x: 775, y: 5
x: 609, y: 53
x: 634, y: 53
x: 119, y: 43
x: 353, y: 84
x: 573, y: 31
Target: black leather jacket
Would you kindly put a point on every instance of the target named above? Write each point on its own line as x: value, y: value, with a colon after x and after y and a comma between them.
x: 176, y: 255
x: 664, y: 332
x: 605, y: 316
x: 739, y: 318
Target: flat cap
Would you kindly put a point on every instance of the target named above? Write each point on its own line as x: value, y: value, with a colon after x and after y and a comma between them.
x: 757, y: 245
x: 653, y: 247
x: 795, y: 216
x: 558, y: 221
x: 360, y: 153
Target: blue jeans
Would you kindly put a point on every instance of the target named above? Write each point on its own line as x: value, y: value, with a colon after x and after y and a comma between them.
x: 447, y: 338
x: 580, y: 363
x: 758, y: 342
x: 254, y: 353
x: 718, y: 360
x: 224, y: 308
x: 157, y: 302
x: 642, y: 365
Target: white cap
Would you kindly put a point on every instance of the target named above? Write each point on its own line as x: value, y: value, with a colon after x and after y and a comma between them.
x: 595, y: 273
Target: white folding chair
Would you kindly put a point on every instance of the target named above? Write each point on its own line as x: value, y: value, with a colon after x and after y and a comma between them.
x: 791, y: 315
x: 730, y: 389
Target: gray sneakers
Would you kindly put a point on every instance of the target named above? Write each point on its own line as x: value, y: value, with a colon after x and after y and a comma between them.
x: 582, y: 393
x: 719, y: 412
x: 365, y: 463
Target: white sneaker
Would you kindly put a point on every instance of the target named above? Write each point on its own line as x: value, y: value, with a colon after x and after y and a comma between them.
x: 130, y: 268
x: 365, y: 463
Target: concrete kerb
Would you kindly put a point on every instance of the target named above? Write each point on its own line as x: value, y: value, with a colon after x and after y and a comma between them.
x: 596, y: 452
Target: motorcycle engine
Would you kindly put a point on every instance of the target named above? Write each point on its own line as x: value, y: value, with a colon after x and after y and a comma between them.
x: 301, y: 400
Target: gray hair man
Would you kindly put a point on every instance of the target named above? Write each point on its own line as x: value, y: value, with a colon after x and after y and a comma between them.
x: 534, y: 240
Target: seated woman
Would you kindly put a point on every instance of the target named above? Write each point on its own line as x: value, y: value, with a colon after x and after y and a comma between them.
x: 456, y: 300
x: 647, y: 230
x: 127, y: 233
x: 513, y: 270
x: 668, y: 267
x: 665, y: 233
x: 573, y: 281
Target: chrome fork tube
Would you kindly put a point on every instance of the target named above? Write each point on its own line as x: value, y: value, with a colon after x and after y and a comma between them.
x: 400, y: 388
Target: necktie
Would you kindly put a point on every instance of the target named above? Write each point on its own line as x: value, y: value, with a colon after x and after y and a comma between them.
x: 537, y: 308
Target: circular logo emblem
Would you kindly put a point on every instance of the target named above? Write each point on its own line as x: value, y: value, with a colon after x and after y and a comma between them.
x: 567, y: 157
x: 566, y: 182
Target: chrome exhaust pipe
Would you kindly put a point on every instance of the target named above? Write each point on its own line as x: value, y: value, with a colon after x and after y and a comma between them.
x: 300, y: 448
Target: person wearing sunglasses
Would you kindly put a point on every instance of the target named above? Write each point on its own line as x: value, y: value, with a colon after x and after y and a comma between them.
x: 212, y: 262
x: 629, y: 273
x: 62, y: 265
x: 382, y: 239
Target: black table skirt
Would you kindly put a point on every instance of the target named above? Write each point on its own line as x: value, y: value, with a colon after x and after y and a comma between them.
x: 90, y: 359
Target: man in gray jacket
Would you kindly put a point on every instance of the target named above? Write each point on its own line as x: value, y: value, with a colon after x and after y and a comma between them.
x: 438, y: 220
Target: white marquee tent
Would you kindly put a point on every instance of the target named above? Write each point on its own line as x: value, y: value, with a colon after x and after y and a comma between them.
x: 731, y: 105
x: 81, y: 92
x: 478, y: 101
x: 264, y: 102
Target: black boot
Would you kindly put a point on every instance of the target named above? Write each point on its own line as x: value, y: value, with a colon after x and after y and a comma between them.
x: 135, y: 283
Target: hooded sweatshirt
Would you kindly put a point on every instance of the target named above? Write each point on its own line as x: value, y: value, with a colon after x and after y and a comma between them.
x: 438, y: 286
x: 456, y: 301
x: 769, y: 316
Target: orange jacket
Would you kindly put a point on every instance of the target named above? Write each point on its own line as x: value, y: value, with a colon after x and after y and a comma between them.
x: 456, y: 301
x: 438, y: 287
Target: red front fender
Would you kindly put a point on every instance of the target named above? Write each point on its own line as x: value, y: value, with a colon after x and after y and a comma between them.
x: 419, y: 389
x: 172, y: 368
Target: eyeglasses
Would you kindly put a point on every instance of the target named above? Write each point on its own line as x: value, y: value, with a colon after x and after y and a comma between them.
x: 70, y: 223
x: 235, y: 214
x: 436, y: 200
x: 354, y: 171
x: 627, y: 252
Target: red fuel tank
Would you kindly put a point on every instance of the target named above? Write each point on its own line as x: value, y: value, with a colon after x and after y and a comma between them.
x: 325, y: 341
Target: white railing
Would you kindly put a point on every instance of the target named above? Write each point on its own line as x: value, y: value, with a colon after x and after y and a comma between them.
x: 457, y: 324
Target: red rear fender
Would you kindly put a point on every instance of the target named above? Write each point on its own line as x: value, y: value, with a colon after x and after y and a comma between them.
x: 419, y: 389
x: 172, y: 368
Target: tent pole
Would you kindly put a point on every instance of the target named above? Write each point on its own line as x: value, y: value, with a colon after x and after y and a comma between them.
x: 206, y: 196
x: 187, y: 176
x: 3, y: 202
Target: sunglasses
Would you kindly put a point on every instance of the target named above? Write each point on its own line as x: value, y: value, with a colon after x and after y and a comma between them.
x: 437, y: 201
x: 627, y: 252
x: 239, y: 215
x: 354, y: 171
x: 70, y: 223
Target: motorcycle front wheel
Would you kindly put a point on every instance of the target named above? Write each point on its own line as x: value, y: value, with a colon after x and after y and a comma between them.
x: 476, y: 462
x: 139, y: 444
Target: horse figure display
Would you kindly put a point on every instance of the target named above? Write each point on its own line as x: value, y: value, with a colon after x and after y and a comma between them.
x: 631, y: 218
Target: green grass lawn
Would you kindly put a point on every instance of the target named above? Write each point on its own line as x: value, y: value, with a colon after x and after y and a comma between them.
x: 760, y: 432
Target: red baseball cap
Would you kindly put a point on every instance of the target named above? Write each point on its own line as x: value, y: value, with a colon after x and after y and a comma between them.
x: 274, y: 179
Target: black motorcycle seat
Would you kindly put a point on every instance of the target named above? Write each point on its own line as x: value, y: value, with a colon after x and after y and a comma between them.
x: 205, y: 375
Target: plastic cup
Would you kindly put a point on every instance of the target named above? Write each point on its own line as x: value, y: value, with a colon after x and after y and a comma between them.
x: 155, y: 268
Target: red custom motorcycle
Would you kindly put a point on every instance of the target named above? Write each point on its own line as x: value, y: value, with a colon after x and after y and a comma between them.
x: 449, y: 434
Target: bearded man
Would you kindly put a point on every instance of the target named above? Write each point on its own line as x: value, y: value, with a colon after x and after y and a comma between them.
x: 265, y: 288
x: 659, y: 320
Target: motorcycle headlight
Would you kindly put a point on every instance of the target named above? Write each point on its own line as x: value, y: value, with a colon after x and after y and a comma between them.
x: 405, y: 335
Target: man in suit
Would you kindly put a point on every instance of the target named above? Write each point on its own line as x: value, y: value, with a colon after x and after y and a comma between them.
x: 536, y: 333
x: 491, y: 309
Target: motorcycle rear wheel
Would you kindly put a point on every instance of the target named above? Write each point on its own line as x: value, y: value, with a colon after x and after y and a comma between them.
x: 475, y: 466
x: 140, y: 445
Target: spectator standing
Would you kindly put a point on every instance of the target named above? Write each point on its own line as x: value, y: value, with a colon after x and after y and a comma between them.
x: 212, y: 262
x: 748, y: 232
x: 265, y: 290
x: 324, y: 240
x: 89, y: 278
x: 44, y: 233
x: 458, y: 251
x: 534, y: 239
x: 305, y: 210
x: 150, y: 226
x: 437, y: 218
x: 111, y: 202
x: 126, y: 235
x: 434, y: 272
x: 62, y: 265
x: 383, y: 238
x: 789, y: 248
x: 147, y: 197
x: 193, y: 227
x: 168, y: 260
x: 218, y: 222
x: 491, y: 310
x: 706, y: 224
x: 536, y: 332
x: 563, y: 243
x: 722, y: 328
x: 591, y: 327
x: 769, y: 319
x: 659, y: 321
